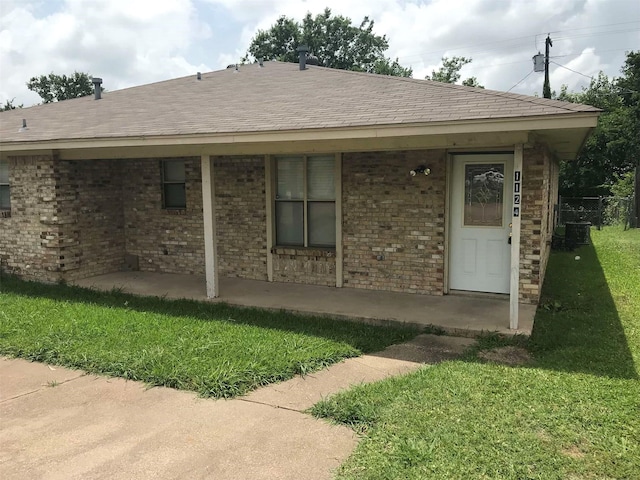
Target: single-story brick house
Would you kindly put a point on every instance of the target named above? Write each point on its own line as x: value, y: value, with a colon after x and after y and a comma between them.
x: 286, y: 174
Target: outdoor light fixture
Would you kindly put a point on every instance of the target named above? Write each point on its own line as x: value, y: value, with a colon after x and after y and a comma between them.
x: 421, y: 169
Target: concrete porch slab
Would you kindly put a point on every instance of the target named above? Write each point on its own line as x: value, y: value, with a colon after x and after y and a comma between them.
x: 459, y: 314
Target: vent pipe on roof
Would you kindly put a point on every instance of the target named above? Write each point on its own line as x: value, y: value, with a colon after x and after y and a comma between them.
x: 302, y: 53
x: 97, y: 85
x: 261, y: 62
x: 199, y: 76
x: 24, y: 126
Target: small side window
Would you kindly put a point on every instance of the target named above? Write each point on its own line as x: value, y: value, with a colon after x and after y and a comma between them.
x: 5, y: 193
x: 174, y: 195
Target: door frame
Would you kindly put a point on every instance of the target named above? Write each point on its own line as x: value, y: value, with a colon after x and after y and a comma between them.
x: 518, y: 160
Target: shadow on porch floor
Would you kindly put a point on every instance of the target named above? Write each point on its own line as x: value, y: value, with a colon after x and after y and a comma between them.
x: 458, y: 314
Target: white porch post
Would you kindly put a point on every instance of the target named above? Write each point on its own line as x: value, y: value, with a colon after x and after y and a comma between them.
x: 515, y: 237
x: 339, y: 253
x: 268, y: 190
x: 209, y: 214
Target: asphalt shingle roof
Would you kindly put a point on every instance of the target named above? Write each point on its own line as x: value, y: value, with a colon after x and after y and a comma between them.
x: 276, y: 97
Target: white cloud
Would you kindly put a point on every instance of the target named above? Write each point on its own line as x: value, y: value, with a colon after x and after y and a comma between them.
x: 130, y: 42
x: 500, y: 36
x: 125, y: 42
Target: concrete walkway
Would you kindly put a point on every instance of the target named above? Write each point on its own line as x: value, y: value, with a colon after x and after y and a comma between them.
x: 57, y: 423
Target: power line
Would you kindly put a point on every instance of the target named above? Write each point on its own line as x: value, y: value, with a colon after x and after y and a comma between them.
x: 594, y: 26
x: 574, y: 71
x: 517, y: 42
x: 595, y: 34
x: 626, y: 90
x: 594, y: 51
x: 521, y: 81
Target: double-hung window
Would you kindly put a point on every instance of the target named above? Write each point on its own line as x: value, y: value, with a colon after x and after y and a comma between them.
x: 5, y: 195
x: 305, y: 203
x: 174, y: 194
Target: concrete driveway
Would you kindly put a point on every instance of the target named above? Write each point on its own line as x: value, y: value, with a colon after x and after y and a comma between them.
x: 57, y: 423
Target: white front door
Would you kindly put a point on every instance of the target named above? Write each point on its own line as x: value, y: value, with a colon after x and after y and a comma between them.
x: 481, y: 192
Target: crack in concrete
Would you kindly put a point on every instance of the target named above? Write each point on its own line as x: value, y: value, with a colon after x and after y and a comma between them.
x: 271, y: 405
x: 43, y: 387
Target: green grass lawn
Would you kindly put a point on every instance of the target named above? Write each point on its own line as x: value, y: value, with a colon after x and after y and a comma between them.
x: 573, y: 413
x: 213, y: 349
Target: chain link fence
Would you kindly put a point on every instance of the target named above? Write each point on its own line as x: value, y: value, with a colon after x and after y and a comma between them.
x: 598, y: 211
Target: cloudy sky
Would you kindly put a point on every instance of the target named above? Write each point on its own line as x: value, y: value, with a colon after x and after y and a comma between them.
x: 132, y: 42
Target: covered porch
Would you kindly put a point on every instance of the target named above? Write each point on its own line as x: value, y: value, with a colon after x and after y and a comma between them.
x: 456, y: 313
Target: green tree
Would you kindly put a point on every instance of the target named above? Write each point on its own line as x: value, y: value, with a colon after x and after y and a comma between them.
x: 332, y: 38
x: 624, y: 185
x: 613, y: 149
x: 449, y: 72
x: 54, y: 88
x: 8, y: 105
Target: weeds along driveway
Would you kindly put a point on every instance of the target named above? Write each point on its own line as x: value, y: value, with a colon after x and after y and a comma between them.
x: 61, y: 423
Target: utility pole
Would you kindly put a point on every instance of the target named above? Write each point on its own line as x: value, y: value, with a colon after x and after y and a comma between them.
x: 635, y: 219
x: 546, y: 89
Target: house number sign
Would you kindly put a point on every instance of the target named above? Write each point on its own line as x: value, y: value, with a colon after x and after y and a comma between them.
x: 516, y: 193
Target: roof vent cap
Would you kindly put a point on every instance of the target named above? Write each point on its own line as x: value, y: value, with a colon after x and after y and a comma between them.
x: 97, y: 86
x: 302, y: 54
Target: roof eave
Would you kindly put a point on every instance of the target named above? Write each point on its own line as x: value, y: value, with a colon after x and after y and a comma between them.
x: 578, y: 120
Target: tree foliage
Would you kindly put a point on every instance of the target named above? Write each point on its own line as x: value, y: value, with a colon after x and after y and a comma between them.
x: 332, y: 38
x: 449, y: 72
x: 613, y: 149
x: 55, y: 88
x: 9, y: 105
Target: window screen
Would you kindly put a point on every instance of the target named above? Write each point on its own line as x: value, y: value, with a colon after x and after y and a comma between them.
x: 173, y: 184
x: 5, y: 197
x: 305, y: 201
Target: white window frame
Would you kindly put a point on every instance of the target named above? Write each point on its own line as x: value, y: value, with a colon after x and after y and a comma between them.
x: 165, y: 182
x: 6, y: 185
x: 305, y: 201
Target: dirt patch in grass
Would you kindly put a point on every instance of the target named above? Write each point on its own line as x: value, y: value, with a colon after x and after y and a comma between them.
x: 507, y: 356
x: 573, y: 451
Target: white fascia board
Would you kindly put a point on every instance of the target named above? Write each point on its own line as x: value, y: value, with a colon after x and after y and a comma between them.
x: 582, y: 120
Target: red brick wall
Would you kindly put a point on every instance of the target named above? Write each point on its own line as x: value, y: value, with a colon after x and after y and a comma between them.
x: 79, y: 218
x: 91, y: 217
x: 540, y: 185
x: 393, y: 224
x: 170, y: 241
x: 26, y: 236
x: 241, y: 218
